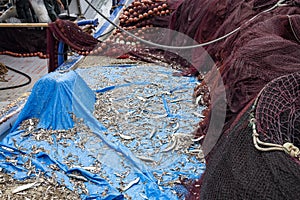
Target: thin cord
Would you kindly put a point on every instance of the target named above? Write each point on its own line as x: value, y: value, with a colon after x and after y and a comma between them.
x: 278, y: 4
x: 291, y: 25
x: 17, y: 86
x: 287, y: 147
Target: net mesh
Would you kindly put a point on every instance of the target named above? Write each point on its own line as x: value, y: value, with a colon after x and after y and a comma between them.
x: 23, y: 42
x: 278, y: 110
x: 237, y: 170
x: 265, y: 48
x: 72, y: 35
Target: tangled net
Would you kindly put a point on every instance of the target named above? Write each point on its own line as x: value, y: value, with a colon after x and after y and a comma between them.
x: 264, y: 49
x: 139, y: 18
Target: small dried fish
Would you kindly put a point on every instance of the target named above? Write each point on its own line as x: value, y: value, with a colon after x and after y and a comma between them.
x: 78, y: 177
x: 152, y: 133
x: 198, y: 99
x: 181, y: 91
x: 24, y: 187
x: 160, y: 116
x: 31, y: 122
x: 146, y: 159
x: 176, y: 127
x: 135, y: 181
x: 149, y: 96
x: 7, y: 148
x: 163, y: 75
x: 141, y: 98
x: 170, y: 148
x: 118, y: 175
x: 25, y: 134
x: 126, y: 137
x: 177, y: 100
x: 195, y: 151
x: 198, y: 115
x: 197, y: 139
x: 143, y: 196
x: 89, y: 168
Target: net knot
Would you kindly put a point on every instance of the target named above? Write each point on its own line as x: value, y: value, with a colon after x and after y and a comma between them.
x: 252, y: 122
x: 292, y: 150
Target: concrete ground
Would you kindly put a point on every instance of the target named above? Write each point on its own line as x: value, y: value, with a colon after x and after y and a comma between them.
x: 32, y: 66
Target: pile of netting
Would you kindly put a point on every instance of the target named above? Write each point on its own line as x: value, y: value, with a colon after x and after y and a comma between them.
x: 258, y: 158
x: 264, y: 46
x: 72, y: 35
x: 29, y: 41
x: 142, y: 19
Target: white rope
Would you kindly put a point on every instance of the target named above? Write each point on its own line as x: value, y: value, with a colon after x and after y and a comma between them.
x: 293, y: 30
x: 280, y: 3
x: 287, y: 147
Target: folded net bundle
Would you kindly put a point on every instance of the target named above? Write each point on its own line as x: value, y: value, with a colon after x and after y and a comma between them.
x: 72, y: 35
x: 265, y: 48
x: 275, y: 116
x: 259, y: 158
x: 138, y: 18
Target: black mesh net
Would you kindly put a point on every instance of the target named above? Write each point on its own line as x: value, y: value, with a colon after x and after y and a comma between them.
x: 237, y: 170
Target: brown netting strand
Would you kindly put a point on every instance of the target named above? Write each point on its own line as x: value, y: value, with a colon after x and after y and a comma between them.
x: 72, y: 35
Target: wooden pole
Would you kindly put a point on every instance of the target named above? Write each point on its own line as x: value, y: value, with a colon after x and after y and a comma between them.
x: 23, y: 25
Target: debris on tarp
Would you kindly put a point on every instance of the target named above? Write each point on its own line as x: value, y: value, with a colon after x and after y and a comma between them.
x: 109, y: 133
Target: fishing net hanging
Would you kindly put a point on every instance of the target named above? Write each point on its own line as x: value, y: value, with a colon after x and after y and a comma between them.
x: 72, y: 35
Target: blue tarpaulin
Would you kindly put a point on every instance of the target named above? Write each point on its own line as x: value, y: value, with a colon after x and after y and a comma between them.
x: 141, y: 137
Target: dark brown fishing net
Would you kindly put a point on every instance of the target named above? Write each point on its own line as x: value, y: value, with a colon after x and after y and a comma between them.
x: 278, y: 111
x: 23, y: 41
x: 265, y: 48
x: 72, y: 35
x: 261, y: 51
x: 237, y: 170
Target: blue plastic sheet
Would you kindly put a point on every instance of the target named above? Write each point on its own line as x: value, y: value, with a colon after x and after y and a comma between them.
x: 167, y: 103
